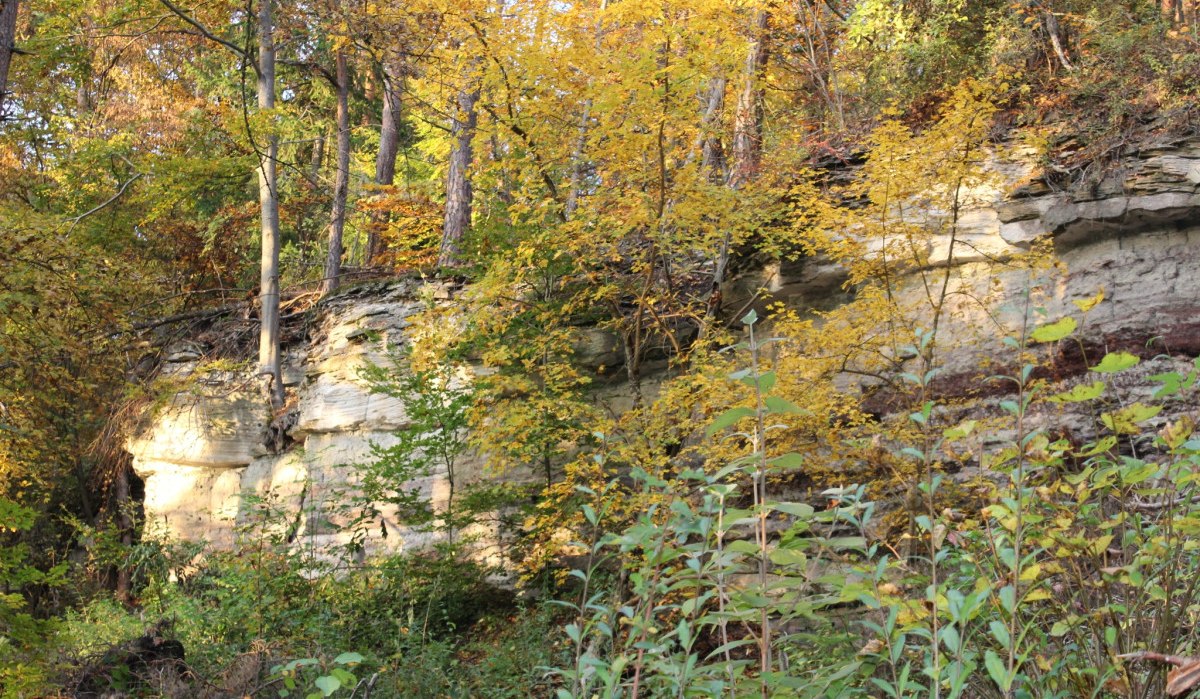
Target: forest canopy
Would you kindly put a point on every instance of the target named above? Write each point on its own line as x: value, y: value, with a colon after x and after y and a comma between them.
x: 607, y: 163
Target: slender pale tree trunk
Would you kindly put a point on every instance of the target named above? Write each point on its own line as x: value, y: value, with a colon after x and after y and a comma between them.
x: 316, y: 160
x: 268, y: 197
x: 747, y: 126
x: 578, y: 163
x: 8, y: 37
x: 341, y: 181
x: 748, y: 120
x: 1050, y: 22
x: 747, y: 156
x: 458, y: 179
x: 712, y: 152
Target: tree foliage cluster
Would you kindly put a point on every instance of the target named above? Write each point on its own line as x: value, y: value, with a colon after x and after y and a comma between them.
x: 597, y: 170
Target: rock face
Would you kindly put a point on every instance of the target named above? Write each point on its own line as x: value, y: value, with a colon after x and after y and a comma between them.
x: 208, y: 461
x: 1133, y: 236
x: 1136, y: 237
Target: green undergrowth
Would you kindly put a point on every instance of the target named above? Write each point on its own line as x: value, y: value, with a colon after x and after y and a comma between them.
x: 261, y: 625
x: 1062, y: 569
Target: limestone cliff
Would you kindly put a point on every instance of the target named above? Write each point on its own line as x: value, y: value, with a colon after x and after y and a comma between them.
x: 1136, y: 235
x: 210, y: 442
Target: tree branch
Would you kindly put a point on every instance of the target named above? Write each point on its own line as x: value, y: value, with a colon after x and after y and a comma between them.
x: 238, y: 50
x: 108, y: 201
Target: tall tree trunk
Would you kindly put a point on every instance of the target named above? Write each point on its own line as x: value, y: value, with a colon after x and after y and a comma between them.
x: 268, y: 198
x: 820, y: 58
x: 458, y: 179
x: 578, y: 165
x: 712, y: 152
x: 748, y: 120
x: 8, y: 36
x: 341, y: 181
x: 124, y: 522
x: 389, y: 147
x: 316, y: 160
x: 747, y: 127
x: 389, y: 130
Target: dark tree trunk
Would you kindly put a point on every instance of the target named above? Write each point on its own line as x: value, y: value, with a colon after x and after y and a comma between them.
x: 458, y: 180
x: 389, y: 147
x: 389, y: 130
x: 124, y: 522
x: 341, y: 182
x: 8, y: 36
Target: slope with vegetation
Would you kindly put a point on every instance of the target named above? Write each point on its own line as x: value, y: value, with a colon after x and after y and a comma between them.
x: 211, y: 171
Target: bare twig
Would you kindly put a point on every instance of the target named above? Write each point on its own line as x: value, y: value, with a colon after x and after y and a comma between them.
x: 108, y: 201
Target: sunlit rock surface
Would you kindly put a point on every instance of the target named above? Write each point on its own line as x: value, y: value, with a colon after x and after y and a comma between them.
x: 211, y: 470
x: 210, y: 465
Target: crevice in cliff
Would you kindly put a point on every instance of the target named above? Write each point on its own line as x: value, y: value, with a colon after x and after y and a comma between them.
x: 293, y: 530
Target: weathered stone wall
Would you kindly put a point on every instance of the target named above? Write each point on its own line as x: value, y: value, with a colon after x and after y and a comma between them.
x: 1133, y: 235
x: 1136, y: 236
x: 208, y: 447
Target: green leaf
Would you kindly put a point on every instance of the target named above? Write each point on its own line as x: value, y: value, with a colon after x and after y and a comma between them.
x: 1008, y: 598
x: 1116, y: 361
x: 790, y: 460
x: 964, y: 429
x: 752, y: 600
x: 1103, y: 445
x: 728, y: 418
x: 1171, y: 383
x: 995, y: 668
x: 999, y: 632
x: 1062, y: 626
x: 1079, y: 393
x: 795, y: 509
x: 765, y: 381
x: 775, y: 404
x: 950, y: 638
x: 349, y: 658
x: 742, y: 546
x: 328, y: 684
x: 839, y: 543
x: 1055, y: 331
x: 788, y: 557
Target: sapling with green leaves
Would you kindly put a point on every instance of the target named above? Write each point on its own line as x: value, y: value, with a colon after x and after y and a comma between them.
x: 436, y: 402
x: 695, y: 577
